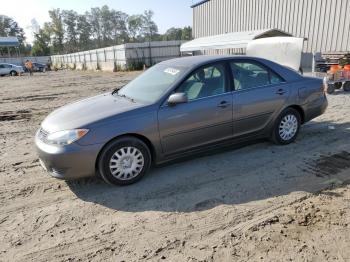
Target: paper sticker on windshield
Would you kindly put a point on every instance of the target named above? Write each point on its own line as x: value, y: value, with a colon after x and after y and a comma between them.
x: 171, y: 71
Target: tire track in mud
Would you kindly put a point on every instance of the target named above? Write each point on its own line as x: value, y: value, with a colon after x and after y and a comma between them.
x: 31, y: 98
x: 239, y: 222
x: 327, y: 165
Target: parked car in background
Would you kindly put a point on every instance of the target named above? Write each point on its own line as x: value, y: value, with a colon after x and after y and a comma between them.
x: 10, y: 69
x: 38, y: 67
x: 176, y: 108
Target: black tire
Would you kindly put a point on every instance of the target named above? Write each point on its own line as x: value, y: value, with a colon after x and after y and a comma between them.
x: 330, y: 89
x: 338, y: 85
x: 346, y: 86
x: 13, y: 73
x: 109, y: 151
x: 276, y: 137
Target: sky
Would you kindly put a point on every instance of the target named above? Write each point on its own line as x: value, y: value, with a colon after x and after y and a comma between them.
x: 168, y: 13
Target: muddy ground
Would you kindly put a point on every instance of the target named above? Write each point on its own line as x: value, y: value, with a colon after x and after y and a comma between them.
x: 257, y: 202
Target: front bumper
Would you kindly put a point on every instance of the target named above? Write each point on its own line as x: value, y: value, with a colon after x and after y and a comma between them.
x: 68, y: 162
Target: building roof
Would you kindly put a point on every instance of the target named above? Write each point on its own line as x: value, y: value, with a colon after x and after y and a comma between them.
x: 199, y: 3
x: 230, y: 40
x: 9, y: 41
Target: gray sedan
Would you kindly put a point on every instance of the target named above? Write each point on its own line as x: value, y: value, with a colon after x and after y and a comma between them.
x: 176, y: 108
x: 10, y: 69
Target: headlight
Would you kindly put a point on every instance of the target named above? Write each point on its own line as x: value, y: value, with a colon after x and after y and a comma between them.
x: 66, y: 137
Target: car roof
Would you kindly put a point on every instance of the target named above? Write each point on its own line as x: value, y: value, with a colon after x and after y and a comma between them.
x: 196, y: 61
x: 191, y: 61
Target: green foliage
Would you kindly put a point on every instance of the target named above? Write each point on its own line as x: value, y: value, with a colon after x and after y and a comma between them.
x: 178, y: 34
x: 135, y: 65
x: 68, y: 31
x: 9, y: 27
x: 41, y: 44
x: 57, y: 30
x: 117, y: 67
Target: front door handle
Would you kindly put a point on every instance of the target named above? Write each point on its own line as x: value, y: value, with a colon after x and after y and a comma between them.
x: 223, y: 104
x: 280, y: 91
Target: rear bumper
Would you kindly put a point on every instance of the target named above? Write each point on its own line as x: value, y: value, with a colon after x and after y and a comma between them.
x: 316, y: 108
x: 67, y: 162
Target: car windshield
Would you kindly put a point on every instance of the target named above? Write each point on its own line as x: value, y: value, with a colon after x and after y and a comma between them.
x: 152, y: 84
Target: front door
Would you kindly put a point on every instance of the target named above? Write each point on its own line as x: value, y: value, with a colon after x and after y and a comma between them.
x: 205, y: 118
x: 3, y: 70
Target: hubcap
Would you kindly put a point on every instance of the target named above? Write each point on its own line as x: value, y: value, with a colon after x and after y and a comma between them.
x: 288, y: 127
x: 126, y: 163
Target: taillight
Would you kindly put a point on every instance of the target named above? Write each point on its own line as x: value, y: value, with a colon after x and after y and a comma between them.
x: 325, y: 85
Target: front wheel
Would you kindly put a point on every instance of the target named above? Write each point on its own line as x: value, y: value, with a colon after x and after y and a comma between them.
x: 124, y: 161
x: 13, y: 73
x: 286, y: 127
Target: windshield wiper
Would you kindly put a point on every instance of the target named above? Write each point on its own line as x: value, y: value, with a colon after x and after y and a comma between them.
x: 124, y: 96
x: 115, y: 91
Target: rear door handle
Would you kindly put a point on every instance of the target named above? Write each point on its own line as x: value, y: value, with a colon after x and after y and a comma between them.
x: 280, y: 91
x: 223, y: 104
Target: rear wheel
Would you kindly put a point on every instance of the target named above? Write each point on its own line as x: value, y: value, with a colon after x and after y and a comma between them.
x: 346, y: 86
x: 338, y: 85
x: 13, y: 73
x: 330, y: 89
x: 124, y: 161
x: 286, y: 127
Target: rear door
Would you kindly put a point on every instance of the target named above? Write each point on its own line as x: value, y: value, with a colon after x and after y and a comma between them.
x: 258, y: 94
x: 205, y: 118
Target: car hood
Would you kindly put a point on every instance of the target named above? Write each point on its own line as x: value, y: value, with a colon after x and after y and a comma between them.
x: 86, y: 112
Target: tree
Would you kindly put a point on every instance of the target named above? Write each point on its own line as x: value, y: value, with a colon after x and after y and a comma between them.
x: 9, y: 27
x: 149, y: 26
x: 83, y: 32
x: 67, y: 31
x: 57, y: 30
x: 173, y: 34
x: 119, y: 27
x: 41, y: 43
x: 178, y: 33
x: 135, y: 26
x: 186, y: 33
x: 70, y: 18
x: 94, y: 18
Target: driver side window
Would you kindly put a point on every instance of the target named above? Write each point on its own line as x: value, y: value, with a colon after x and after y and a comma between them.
x: 204, y: 82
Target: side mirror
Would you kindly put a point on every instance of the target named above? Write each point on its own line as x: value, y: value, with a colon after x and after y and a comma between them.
x: 177, y: 98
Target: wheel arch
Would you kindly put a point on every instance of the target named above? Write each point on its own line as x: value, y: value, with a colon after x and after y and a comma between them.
x: 300, y: 111
x: 135, y: 135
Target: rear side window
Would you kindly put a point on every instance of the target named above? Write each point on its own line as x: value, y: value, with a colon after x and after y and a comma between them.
x: 248, y: 75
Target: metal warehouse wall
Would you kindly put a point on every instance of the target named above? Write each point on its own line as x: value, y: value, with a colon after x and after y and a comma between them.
x: 326, y: 23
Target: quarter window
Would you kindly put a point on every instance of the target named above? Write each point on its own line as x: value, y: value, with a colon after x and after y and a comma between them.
x: 249, y: 75
x: 205, y: 82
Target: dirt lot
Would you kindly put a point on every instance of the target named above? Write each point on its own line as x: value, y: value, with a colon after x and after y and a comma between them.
x: 256, y: 202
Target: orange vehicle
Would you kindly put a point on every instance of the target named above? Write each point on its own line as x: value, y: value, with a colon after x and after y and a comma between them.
x: 338, y: 77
